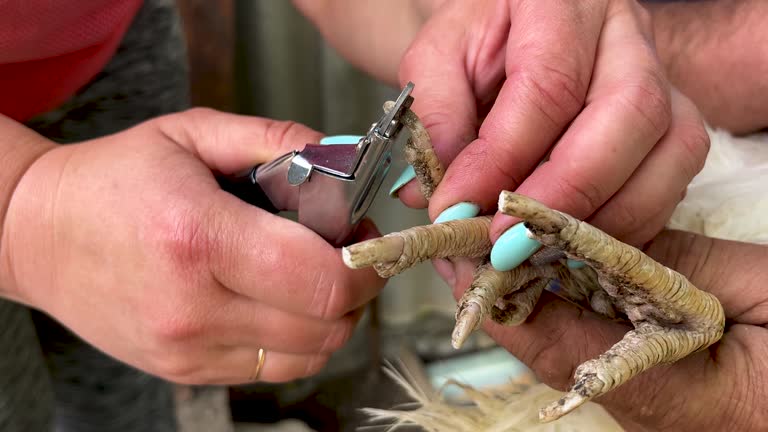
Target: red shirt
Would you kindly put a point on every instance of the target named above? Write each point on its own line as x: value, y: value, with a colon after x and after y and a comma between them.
x: 49, y: 49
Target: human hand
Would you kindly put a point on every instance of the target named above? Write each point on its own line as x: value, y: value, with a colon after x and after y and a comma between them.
x: 720, y: 388
x: 129, y: 241
x: 501, y: 84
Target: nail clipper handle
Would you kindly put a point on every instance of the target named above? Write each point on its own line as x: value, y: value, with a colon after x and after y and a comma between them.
x: 244, y: 187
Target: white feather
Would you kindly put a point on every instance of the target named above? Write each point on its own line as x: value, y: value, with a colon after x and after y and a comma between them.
x: 728, y: 199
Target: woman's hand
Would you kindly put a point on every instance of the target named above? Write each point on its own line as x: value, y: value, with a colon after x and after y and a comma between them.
x: 721, y: 388
x: 501, y: 85
x: 129, y: 241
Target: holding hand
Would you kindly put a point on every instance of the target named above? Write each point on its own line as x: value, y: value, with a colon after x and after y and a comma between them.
x: 720, y: 388
x: 129, y: 241
x: 503, y: 85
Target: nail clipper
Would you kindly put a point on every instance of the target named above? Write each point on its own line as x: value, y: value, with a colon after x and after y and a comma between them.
x: 331, y: 186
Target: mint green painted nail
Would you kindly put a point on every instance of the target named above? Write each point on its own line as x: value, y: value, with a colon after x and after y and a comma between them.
x: 340, y: 139
x: 462, y: 210
x: 407, y: 175
x: 574, y: 264
x: 512, y: 248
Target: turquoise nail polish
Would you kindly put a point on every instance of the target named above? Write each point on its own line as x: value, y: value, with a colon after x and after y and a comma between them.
x: 574, y: 264
x: 512, y: 248
x: 407, y: 175
x: 340, y: 139
x: 462, y: 210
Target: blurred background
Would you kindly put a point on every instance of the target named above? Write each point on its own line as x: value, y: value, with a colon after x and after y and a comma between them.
x: 261, y: 57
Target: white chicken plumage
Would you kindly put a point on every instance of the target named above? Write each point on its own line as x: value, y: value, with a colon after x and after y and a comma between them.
x: 728, y: 198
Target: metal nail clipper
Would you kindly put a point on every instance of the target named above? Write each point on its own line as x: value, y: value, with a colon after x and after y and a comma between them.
x: 331, y: 186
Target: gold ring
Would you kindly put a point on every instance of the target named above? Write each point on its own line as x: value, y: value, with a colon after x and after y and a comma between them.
x: 259, y: 365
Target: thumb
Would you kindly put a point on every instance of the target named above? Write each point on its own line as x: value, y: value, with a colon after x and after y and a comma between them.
x: 229, y: 143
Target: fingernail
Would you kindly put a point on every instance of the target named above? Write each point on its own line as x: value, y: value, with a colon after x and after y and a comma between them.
x: 512, y: 248
x: 462, y: 210
x: 574, y: 264
x: 407, y: 175
x: 340, y: 139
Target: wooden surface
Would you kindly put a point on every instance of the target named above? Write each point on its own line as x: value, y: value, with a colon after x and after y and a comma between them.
x: 210, y: 29
x: 209, y: 26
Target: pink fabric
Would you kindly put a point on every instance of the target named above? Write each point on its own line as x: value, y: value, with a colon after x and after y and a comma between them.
x: 51, y: 48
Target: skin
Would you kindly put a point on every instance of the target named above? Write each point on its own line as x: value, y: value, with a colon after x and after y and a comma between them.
x: 593, y: 95
x: 701, y: 44
x: 717, y: 389
x: 591, y: 78
x: 715, y: 52
x: 720, y: 388
x: 132, y: 232
x: 372, y: 35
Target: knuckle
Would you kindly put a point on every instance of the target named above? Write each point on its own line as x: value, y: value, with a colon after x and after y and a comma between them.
x: 179, y: 369
x: 626, y: 217
x: 174, y: 328
x: 695, y: 143
x: 338, y: 336
x: 433, y: 119
x: 279, y: 132
x: 581, y: 196
x: 501, y: 160
x: 184, y: 126
x: 181, y: 234
x: 199, y: 112
x: 649, y: 98
x: 554, y: 88
x: 651, y: 228
x: 192, y: 118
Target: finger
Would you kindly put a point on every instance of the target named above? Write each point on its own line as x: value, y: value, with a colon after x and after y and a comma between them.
x: 454, y: 270
x: 443, y: 96
x: 547, y: 76
x: 446, y: 269
x: 281, y: 367
x: 661, y: 178
x: 229, y: 143
x: 281, y: 263
x: 239, y: 366
x: 243, y: 322
x: 626, y: 114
